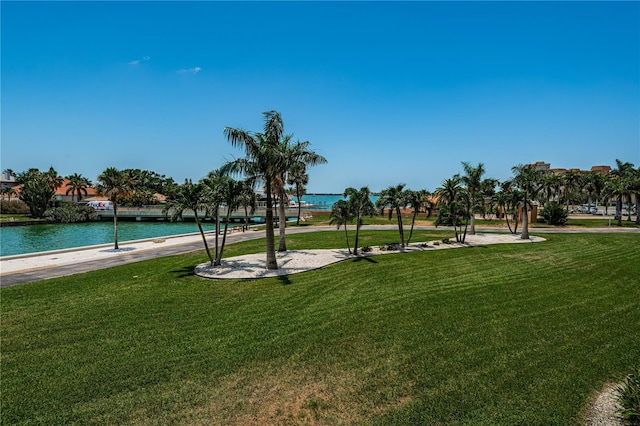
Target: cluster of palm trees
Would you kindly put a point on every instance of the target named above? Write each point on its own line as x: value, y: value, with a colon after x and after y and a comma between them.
x: 459, y: 198
x: 271, y: 159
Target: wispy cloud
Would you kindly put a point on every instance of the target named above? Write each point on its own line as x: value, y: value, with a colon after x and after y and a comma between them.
x: 137, y: 61
x: 193, y: 70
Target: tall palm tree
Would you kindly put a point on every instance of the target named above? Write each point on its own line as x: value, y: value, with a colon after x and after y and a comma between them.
x: 360, y: 205
x: 192, y: 197
x: 625, y: 172
x: 418, y: 201
x: 341, y: 214
x: 571, y: 182
x: 551, y: 185
x: 293, y: 156
x: 616, y: 188
x: 593, y: 184
x: 117, y: 186
x: 299, y: 178
x: 394, y: 198
x: 262, y: 162
x: 53, y: 180
x: 529, y: 181
x: 472, y: 179
x: 454, y: 200
x: 77, y: 185
x: 248, y: 201
x: 231, y: 192
x: 215, y: 182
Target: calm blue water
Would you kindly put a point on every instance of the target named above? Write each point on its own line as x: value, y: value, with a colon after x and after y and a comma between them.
x: 324, y: 202
x: 35, y: 238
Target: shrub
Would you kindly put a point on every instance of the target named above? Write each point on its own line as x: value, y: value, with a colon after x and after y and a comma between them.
x: 629, y: 399
x: 554, y: 214
x: 13, y: 207
x: 68, y: 213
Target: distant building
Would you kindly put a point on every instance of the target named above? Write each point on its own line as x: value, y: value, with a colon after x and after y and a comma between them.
x: 60, y: 194
x: 541, y: 165
x: 7, y: 180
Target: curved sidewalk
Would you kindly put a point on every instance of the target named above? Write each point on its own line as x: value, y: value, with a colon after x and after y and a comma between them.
x: 26, y: 268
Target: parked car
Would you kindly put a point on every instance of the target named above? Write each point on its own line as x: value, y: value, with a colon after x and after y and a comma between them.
x: 585, y: 208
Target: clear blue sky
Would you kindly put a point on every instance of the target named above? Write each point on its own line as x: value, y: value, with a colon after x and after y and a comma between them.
x: 388, y: 92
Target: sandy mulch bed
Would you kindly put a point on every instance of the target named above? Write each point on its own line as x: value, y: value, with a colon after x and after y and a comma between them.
x: 292, y: 262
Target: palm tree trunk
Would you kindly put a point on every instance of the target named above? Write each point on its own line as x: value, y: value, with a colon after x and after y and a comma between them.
x: 216, y: 212
x: 271, y: 253
x: 246, y: 219
x: 115, y: 224
x: 204, y: 239
x: 472, y: 231
x: 525, y: 221
x: 282, y: 222
x: 224, y: 238
x: 299, y: 205
x: 346, y: 234
x: 506, y: 216
x: 413, y: 221
x: 619, y: 210
x: 400, y: 228
x: 355, y: 247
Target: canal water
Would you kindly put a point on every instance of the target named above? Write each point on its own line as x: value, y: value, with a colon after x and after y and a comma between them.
x: 35, y: 238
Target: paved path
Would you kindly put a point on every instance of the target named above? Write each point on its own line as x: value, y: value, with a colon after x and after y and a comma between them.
x: 39, y: 266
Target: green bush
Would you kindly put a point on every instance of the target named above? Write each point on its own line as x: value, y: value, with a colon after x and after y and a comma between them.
x: 13, y: 207
x: 68, y: 213
x: 629, y: 399
x: 554, y: 214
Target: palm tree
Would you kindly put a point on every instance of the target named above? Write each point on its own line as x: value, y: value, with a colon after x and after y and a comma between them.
x: 472, y: 179
x: 215, y: 182
x: 9, y: 192
x: 454, y: 206
x: 616, y: 188
x: 529, y: 181
x: 341, y: 214
x: 395, y: 199
x: 77, y: 185
x: 570, y: 182
x: 117, y: 186
x: 551, y: 184
x: 593, y: 184
x: 360, y: 205
x: 292, y: 157
x: 636, y: 193
x: 299, y: 178
x: 248, y: 201
x: 262, y: 162
x: 417, y: 200
x: 623, y: 187
x: 509, y: 199
x: 53, y: 180
x: 231, y: 192
x: 192, y: 197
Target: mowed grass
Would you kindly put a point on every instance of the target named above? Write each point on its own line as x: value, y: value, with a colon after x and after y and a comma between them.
x: 503, y: 334
x: 322, y: 218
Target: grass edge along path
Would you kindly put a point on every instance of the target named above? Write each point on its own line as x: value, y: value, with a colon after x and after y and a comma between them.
x: 505, y: 334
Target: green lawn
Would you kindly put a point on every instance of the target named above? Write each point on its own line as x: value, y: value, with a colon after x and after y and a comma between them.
x: 503, y: 334
x: 322, y: 218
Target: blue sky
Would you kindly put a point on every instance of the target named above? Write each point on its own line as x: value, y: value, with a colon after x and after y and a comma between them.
x: 388, y: 92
